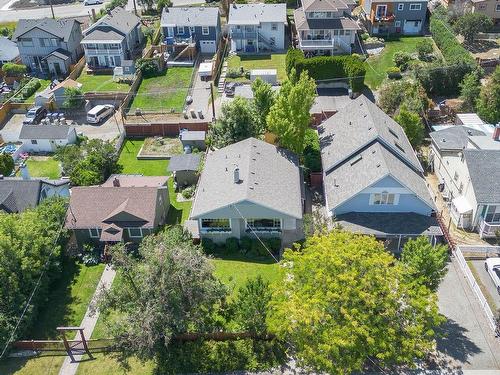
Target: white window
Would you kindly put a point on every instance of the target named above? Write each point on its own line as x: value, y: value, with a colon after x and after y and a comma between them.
x: 348, y: 32
x: 384, y: 198
x: 497, y: 8
x: 397, y: 23
x: 264, y: 225
x: 54, y: 42
x: 274, y: 27
x: 27, y: 42
x: 135, y: 232
x: 180, y: 30
x: 415, y: 6
x: 493, y: 214
x: 170, y: 31
x: 94, y: 233
x: 401, y: 6
x: 215, y: 225
x: 205, y: 30
x: 381, y: 11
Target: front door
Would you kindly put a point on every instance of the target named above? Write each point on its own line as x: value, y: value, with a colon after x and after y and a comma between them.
x: 57, y: 68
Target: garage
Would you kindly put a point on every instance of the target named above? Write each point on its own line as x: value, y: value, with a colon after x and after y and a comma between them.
x: 412, y: 26
x: 208, y: 46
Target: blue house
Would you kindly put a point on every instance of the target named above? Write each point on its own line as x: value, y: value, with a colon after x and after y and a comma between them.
x: 373, y: 181
x: 198, y: 25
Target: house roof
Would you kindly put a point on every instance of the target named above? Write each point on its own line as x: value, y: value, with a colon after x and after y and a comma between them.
x: 45, y: 131
x: 60, y: 53
x: 253, y: 14
x: 58, y: 27
x: 119, y: 19
x: 67, y: 83
x: 269, y: 177
x: 330, y: 100
x: 100, y: 206
x: 190, y: 16
x: 454, y: 137
x: 8, y: 49
x: 136, y: 180
x: 341, y: 23
x: 193, y: 135
x: 327, y: 5
x: 186, y: 162
x: 96, y: 36
x: 484, y: 172
x: 16, y: 195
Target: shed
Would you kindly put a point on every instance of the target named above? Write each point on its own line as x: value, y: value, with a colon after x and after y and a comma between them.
x: 267, y: 75
x: 185, y: 168
x: 205, y: 69
x: 194, y: 139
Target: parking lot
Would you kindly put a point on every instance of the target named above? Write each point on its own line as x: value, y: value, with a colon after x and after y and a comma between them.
x: 487, y: 282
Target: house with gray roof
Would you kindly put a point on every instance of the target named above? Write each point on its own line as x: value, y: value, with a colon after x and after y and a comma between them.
x: 185, y: 169
x: 372, y: 177
x: 466, y: 162
x: 257, y: 28
x: 249, y: 188
x: 49, y: 46
x: 8, y: 51
x: 112, y: 39
x: 46, y: 138
x: 325, y: 27
x: 199, y: 25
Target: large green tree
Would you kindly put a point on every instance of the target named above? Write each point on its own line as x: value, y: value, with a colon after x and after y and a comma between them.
x: 289, y: 117
x: 470, y: 87
x: 168, y: 290
x: 470, y: 24
x: 426, y: 263
x: 344, y: 301
x: 73, y: 98
x: 488, y: 104
x: 409, y: 92
x: 412, y: 125
x: 6, y: 164
x: 263, y: 100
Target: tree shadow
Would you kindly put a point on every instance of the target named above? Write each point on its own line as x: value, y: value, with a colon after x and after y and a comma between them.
x: 174, y: 215
x: 255, y: 57
x: 453, y: 342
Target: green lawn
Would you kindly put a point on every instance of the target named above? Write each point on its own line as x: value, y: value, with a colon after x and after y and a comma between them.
x: 249, y: 62
x: 101, y: 83
x: 106, y: 365
x: 164, y: 92
x: 43, y: 166
x: 376, y: 70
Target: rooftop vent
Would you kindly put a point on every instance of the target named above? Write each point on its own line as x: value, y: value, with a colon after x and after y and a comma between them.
x: 236, y: 175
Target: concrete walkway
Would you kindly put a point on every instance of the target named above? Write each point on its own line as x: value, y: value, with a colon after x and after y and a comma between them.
x: 89, y: 321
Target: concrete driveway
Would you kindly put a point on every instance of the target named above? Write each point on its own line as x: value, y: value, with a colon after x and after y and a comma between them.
x: 467, y: 342
x: 11, y: 128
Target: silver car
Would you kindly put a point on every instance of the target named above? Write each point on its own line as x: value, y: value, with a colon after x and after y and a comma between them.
x: 492, y: 266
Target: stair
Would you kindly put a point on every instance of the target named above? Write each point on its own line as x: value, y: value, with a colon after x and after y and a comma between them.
x: 190, y: 46
x: 222, y: 78
x: 266, y: 42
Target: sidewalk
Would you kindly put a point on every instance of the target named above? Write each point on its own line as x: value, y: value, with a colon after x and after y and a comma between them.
x: 89, y: 321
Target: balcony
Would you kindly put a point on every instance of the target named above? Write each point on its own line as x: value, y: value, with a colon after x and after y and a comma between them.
x: 317, y: 43
x: 488, y: 230
x: 243, y: 35
x: 388, y: 17
x: 103, y: 52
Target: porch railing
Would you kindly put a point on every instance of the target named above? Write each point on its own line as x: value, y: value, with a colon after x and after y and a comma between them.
x: 488, y: 229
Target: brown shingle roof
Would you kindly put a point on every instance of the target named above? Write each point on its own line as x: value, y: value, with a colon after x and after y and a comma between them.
x: 136, y: 180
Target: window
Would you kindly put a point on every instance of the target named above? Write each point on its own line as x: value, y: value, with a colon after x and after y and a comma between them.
x: 94, y: 232
x: 191, y: 30
x: 493, y: 214
x: 27, y: 42
x: 384, y: 198
x: 401, y: 6
x: 381, y: 11
x: 341, y: 32
x: 205, y: 30
x: 135, y: 232
x: 397, y: 23
x: 274, y: 27
x: 415, y: 6
x: 348, y: 32
x: 264, y: 225
x: 180, y: 30
x: 170, y: 31
x: 34, y: 142
x: 215, y: 225
x: 497, y: 9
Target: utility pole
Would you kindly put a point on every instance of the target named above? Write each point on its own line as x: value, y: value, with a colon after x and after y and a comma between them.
x: 135, y: 8
x: 52, y: 9
x: 213, y: 100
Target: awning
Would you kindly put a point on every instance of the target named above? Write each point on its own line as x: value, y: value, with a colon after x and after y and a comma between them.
x: 462, y: 205
x: 111, y: 233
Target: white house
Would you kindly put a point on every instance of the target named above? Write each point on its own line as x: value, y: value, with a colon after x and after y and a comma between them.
x: 257, y: 27
x: 466, y: 161
x: 46, y: 138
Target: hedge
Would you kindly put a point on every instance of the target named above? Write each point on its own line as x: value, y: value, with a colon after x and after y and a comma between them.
x: 11, y: 69
x: 312, y: 151
x: 28, y: 89
x: 328, y: 67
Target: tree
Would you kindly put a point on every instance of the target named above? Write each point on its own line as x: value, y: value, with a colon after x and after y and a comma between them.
x: 470, y: 89
x: 344, y: 302
x: 289, y: 117
x: 160, y: 4
x: 263, y: 100
x: 412, y: 125
x: 73, y: 97
x: 470, y: 24
x: 426, y: 263
x: 488, y: 105
x: 6, y: 164
x: 401, y: 59
x: 394, y: 94
x: 424, y: 48
x: 235, y: 124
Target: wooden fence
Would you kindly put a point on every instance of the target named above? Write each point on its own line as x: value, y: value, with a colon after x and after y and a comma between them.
x: 76, y: 69
x: 316, y: 179
x: 164, y: 128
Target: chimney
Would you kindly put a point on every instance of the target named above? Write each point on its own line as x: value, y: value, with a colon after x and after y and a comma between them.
x: 116, y: 182
x: 236, y: 175
x: 25, y: 174
x: 496, y: 132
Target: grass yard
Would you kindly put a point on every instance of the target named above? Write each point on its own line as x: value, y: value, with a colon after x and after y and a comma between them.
x: 273, y: 61
x: 46, y: 365
x: 43, y: 166
x: 101, y: 83
x: 105, y: 364
x: 165, y: 92
x: 376, y: 70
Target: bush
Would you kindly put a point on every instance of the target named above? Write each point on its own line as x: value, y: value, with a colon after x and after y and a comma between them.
x: 11, y: 69
x: 6, y: 164
x: 401, y: 60
x: 246, y: 244
x: 365, y: 36
x: 274, y: 244
x: 232, y: 245
x: 312, y: 151
x: 233, y: 73
x: 188, y: 192
x: 258, y: 248
x: 424, y: 48
x: 90, y: 255
x: 208, y: 245
x: 393, y: 72
x: 148, y: 66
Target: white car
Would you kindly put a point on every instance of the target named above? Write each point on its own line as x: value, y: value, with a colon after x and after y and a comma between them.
x: 92, y: 2
x: 99, y: 113
x: 492, y: 266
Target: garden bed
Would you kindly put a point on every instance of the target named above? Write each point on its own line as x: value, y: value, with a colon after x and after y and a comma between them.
x: 159, y: 148
x: 250, y: 62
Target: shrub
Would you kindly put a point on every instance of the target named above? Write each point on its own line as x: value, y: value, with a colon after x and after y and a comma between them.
x: 233, y: 73
x: 401, y: 60
x: 365, y: 36
x: 6, y: 164
x: 393, y: 72
x: 29, y: 88
x: 188, y: 192
x: 258, y: 248
x: 424, y: 48
x: 208, y: 245
x: 90, y: 255
x: 312, y: 151
x: 232, y: 245
x: 274, y: 244
x: 148, y: 66
x: 246, y: 244
x: 11, y: 69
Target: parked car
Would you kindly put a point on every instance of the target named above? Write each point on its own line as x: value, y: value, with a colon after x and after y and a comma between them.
x: 92, y: 2
x: 35, y: 115
x: 230, y: 88
x: 492, y: 266
x: 99, y: 113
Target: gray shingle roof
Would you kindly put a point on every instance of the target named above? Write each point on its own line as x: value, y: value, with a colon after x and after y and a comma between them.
x: 45, y: 131
x: 190, y: 16
x: 17, y: 195
x: 187, y: 162
x: 101, y: 35
x: 304, y: 23
x: 61, y: 27
x: 59, y: 53
x: 119, y: 19
x: 253, y: 14
x: 269, y: 177
x: 327, y: 5
x: 8, y: 49
x: 453, y: 138
x: 484, y: 172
